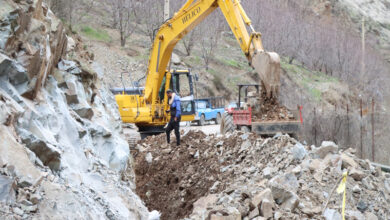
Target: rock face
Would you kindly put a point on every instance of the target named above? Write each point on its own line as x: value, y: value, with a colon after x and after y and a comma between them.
x: 33, y: 36
x: 62, y: 155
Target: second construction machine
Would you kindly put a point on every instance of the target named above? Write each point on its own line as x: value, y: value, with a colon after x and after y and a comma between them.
x: 147, y: 108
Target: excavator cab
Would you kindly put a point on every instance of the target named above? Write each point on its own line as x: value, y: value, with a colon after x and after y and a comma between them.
x: 182, y: 84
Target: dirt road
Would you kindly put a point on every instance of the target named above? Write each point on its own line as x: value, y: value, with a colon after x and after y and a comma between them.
x: 207, y: 129
x: 132, y: 134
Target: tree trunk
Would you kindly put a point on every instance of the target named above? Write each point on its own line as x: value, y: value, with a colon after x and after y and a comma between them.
x: 188, y: 50
x: 291, y: 59
x: 123, y: 41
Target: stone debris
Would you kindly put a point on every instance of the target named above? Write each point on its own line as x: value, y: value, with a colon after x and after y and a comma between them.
x: 299, y: 151
x: 331, y: 214
x: 268, y: 109
x: 326, y: 148
x: 245, y: 176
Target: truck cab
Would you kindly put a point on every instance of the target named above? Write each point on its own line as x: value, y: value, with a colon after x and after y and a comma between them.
x: 209, y: 109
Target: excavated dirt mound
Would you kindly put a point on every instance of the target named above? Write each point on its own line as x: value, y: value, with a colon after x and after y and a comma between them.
x: 270, y: 110
x: 175, y: 177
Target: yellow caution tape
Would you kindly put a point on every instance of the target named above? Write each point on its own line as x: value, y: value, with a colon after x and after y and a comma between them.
x: 342, y: 188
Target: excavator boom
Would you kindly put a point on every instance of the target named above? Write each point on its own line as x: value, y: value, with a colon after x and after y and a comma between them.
x: 187, y: 18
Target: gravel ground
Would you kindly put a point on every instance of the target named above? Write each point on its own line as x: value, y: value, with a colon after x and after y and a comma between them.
x: 244, y: 176
x: 131, y: 132
x: 208, y: 129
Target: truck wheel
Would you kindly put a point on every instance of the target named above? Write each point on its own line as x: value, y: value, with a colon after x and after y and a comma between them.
x: 218, y: 119
x: 245, y: 129
x: 202, y: 120
x: 227, y: 124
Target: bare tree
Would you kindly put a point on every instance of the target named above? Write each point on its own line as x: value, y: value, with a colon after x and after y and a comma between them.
x: 72, y: 10
x: 211, y: 31
x: 189, y: 41
x: 124, y: 17
x: 208, y: 44
x: 152, y: 17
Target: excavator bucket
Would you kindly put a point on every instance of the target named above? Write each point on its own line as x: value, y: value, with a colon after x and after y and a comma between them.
x: 267, y: 65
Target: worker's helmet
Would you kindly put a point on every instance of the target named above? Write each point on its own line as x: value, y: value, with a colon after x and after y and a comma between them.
x: 169, y: 91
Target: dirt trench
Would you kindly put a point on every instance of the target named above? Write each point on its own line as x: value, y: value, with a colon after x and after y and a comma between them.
x: 176, y: 177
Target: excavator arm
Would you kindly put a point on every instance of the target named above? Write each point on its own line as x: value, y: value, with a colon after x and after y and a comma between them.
x: 147, y: 110
x: 266, y: 64
x: 187, y: 18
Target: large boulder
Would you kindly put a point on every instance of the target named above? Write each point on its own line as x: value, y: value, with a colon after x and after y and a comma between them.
x: 9, y: 109
x: 259, y: 197
x: 84, y: 111
x: 15, y: 74
x: 13, y: 154
x: 47, y: 153
x: 284, y: 189
x: 298, y: 151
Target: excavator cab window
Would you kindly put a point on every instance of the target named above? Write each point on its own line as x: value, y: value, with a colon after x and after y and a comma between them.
x: 161, y: 91
x: 182, y: 84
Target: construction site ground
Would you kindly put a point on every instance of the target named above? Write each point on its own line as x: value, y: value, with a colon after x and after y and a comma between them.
x: 212, y: 128
x: 244, y: 176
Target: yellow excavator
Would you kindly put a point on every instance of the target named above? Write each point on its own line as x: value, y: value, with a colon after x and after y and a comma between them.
x: 146, y: 107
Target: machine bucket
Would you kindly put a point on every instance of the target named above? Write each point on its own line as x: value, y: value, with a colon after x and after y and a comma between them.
x: 267, y: 65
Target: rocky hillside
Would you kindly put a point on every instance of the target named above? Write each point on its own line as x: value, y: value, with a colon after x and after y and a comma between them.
x: 377, y: 20
x: 62, y: 154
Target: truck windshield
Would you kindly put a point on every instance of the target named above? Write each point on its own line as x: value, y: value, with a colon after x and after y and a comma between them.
x: 201, y: 105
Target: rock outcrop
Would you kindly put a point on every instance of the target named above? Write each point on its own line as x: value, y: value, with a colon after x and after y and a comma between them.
x: 62, y: 155
x: 35, y: 38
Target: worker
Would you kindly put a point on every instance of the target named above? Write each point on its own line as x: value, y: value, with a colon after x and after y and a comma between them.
x: 174, y: 123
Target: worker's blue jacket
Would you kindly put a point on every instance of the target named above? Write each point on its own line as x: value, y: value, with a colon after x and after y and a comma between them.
x: 175, y: 106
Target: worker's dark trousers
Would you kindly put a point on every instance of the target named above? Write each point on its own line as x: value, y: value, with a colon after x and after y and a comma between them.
x: 173, y: 125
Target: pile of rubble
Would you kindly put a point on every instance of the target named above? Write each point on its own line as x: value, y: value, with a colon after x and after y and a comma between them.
x: 243, y: 176
x: 269, y: 109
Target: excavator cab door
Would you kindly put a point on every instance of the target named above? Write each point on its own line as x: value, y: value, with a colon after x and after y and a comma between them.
x: 182, y: 84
